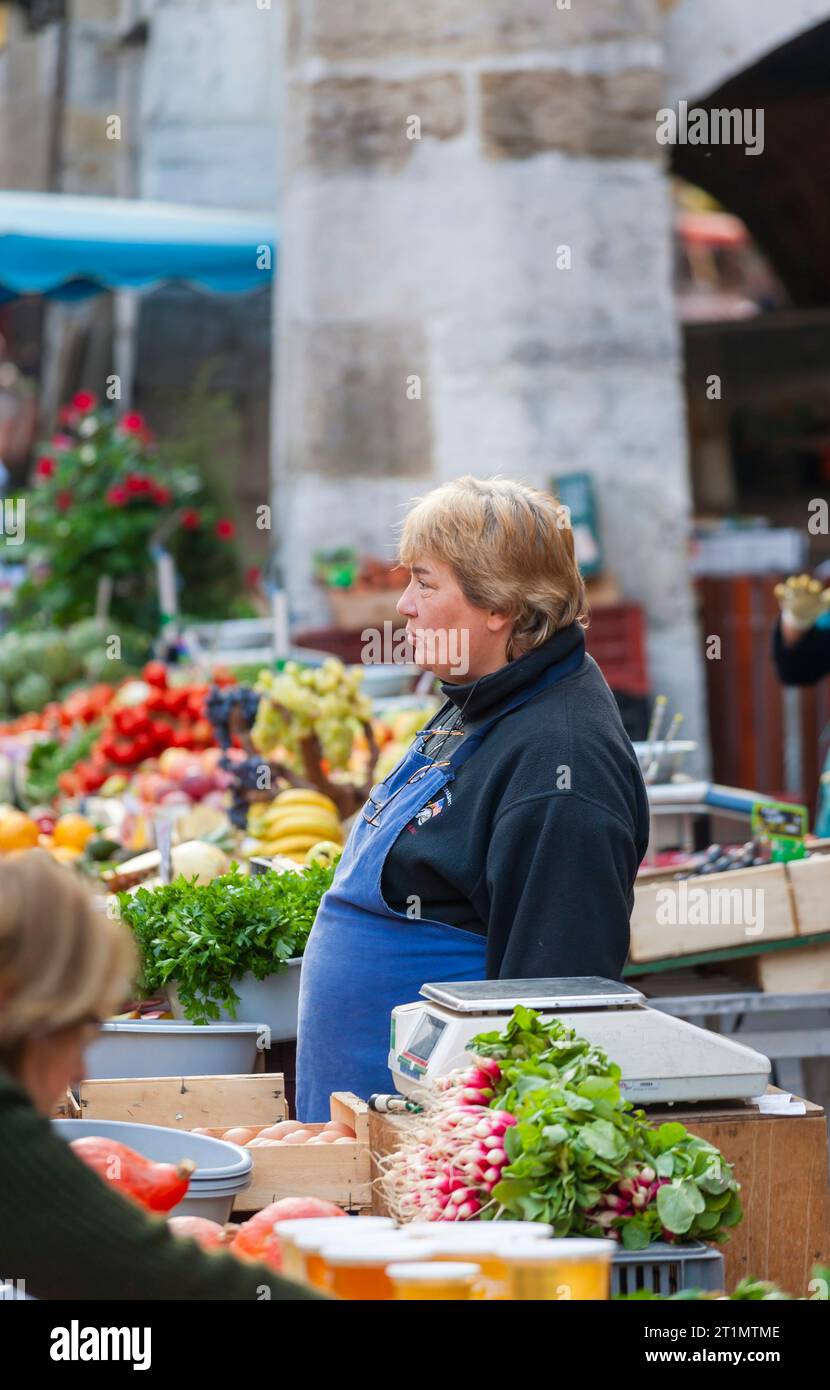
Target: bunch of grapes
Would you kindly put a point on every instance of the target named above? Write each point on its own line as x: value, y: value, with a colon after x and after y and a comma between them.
x: 299, y: 701
x: 220, y: 705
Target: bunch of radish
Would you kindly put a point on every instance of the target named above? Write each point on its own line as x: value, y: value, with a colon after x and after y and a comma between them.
x: 631, y: 1195
x: 448, y: 1167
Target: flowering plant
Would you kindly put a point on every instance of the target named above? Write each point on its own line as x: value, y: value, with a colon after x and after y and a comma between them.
x: 102, y: 496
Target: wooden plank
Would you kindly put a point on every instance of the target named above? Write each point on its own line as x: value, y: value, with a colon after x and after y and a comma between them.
x: 350, y: 1110
x: 730, y: 954
x: 653, y: 939
x: 810, y: 885
x: 187, y: 1102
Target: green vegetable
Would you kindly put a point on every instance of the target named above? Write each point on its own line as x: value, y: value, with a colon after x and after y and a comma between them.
x: 31, y: 693
x: 48, y: 760
x: 582, y: 1158
x: 207, y: 936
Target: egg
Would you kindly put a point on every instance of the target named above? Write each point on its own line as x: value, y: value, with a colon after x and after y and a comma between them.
x: 344, y: 1140
x: 282, y: 1128
x: 336, y: 1127
x: 203, y: 1131
x: 328, y: 1138
x: 256, y: 1143
x: 315, y: 1140
x: 279, y: 1131
x: 240, y: 1135
x: 298, y: 1136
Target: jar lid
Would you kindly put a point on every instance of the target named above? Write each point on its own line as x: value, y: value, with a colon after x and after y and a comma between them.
x: 356, y: 1225
x: 558, y: 1251
x: 495, y: 1232
x: 380, y: 1253
x: 427, y: 1273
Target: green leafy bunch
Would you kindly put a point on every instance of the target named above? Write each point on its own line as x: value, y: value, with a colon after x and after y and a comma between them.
x: 206, y: 936
x: 582, y: 1158
x: 103, y: 494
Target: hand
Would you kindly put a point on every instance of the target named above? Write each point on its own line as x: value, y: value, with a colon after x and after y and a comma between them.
x: 802, y: 601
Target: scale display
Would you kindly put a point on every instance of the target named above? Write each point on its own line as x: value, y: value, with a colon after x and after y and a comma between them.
x: 420, y: 1047
x: 479, y: 996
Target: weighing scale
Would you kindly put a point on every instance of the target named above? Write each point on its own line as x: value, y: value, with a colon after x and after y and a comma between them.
x: 663, y: 1059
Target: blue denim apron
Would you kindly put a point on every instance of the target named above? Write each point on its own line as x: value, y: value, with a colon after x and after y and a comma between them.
x: 362, y: 959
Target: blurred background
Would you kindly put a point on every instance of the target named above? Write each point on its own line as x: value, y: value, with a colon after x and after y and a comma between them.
x: 463, y: 249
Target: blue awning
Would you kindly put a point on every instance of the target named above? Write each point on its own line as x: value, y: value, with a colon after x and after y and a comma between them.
x: 69, y: 247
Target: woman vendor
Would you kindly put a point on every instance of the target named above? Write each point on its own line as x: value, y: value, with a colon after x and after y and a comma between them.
x: 506, y: 842
x: 64, y: 1233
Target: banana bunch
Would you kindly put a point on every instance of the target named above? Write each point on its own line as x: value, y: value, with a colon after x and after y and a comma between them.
x: 293, y: 823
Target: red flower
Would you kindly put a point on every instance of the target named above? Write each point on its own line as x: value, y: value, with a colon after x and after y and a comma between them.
x: 137, y: 485
x: 225, y: 529
x: 253, y: 576
x: 132, y: 423
x: 191, y: 520
x: 83, y: 401
x: 45, y: 467
x: 117, y: 496
x: 64, y: 501
x: 66, y: 415
x: 162, y: 496
x: 62, y: 441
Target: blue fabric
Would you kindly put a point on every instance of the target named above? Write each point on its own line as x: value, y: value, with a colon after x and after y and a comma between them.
x: 67, y: 247
x: 362, y: 958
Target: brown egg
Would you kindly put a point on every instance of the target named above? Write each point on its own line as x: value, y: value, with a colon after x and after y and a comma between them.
x: 298, y: 1136
x: 344, y: 1140
x: 282, y: 1128
x: 337, y: 1127
x: 328, y: 1137
x: 240, y: 1134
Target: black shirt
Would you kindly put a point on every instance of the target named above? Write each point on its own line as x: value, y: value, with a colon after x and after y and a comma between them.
x: 536, y: 842
x: 805, y: 661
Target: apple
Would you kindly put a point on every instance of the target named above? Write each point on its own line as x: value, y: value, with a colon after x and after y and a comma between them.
x: 210, y: 759
x: 174, y: 761
x: 197, y: 783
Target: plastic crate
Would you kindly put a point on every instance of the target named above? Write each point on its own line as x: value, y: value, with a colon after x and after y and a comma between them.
x: 666, y: 1269
x: 616, y: 639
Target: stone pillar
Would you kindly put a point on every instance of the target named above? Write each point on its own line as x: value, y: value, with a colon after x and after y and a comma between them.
x: 475, y: 214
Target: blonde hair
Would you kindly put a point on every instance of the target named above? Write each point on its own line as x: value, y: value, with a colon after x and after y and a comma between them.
x: 62, y: 962
x: 511, y: 549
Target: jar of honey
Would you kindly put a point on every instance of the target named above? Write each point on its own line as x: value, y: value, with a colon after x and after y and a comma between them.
x: 447, y: 1281
x: 482, y: 1241
x: 358, y: 1271
x: 573, y: 1268
x: 355, y: 1227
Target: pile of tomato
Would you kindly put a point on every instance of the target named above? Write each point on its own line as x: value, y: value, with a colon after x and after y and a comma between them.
x: 169, y: 717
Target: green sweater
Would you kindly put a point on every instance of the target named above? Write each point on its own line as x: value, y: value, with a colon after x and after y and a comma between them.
x: 68, y: 1235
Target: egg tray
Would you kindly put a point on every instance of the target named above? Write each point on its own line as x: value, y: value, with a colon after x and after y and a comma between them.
x: 336, y: 1172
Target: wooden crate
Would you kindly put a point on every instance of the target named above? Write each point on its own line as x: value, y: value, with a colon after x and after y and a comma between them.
x: 187, y: 1102
x: 652, y: 938
x: 810, y: 885
x: 802, y: 970
x: 337, y: 1172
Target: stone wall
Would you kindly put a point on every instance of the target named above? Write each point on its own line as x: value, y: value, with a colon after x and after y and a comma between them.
x: 514, y: 257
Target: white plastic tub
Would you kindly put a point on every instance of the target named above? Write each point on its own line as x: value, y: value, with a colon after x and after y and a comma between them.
x: 222, y: 1169
x: 273, y: 1002
x: 165, y: 1047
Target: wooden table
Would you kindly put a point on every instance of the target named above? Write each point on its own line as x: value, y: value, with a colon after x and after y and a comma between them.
x: 781, y: 1162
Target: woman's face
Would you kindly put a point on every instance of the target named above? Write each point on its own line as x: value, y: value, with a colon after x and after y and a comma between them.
x: 450, y: 636
x: 51, y: 1063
